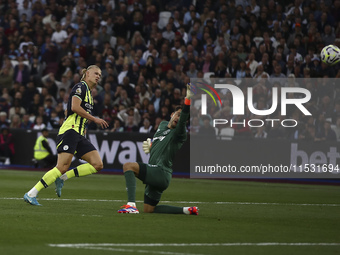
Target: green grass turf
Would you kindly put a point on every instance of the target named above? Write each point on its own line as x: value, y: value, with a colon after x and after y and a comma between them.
x: 26, y: 229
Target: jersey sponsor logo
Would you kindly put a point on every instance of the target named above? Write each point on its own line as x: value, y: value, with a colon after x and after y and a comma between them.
x: 87, y: 105
x: 65, y: 148
x: 159, y: 138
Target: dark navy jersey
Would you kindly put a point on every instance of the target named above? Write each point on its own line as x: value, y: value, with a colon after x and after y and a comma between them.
x: 73, y: 120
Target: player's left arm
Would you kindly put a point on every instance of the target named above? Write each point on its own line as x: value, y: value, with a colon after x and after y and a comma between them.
x: 181, y: 126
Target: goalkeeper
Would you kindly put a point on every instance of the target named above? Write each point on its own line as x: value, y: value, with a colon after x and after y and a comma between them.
x: 157, y: 174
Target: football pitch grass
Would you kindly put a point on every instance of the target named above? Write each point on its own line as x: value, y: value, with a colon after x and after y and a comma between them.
x: 234, y: 218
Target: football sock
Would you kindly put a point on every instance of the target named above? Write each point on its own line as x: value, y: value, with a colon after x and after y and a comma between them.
x: 64, y: 176
x: 168, y: 209
x: 45, y: 181
x: 186, y: 210
x: 79, y: 171
x: 130, y: 181
x: 133, y: 204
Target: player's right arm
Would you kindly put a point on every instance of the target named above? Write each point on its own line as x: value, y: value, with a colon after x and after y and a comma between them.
x: 76, y: 108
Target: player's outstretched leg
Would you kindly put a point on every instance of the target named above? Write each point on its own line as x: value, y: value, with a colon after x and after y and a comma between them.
x: 50, y: 177
x: 94, y: 165
x: 176, y: 210
x: 79, y: 171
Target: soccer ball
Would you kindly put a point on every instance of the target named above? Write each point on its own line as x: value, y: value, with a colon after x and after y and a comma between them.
x: 330, y: 55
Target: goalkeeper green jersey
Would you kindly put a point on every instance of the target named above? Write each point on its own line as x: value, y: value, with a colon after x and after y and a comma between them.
x: 73, y: 120
x: 166, y: 142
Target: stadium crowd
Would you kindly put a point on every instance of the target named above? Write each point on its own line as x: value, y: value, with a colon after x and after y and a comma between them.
x: 149, y: 50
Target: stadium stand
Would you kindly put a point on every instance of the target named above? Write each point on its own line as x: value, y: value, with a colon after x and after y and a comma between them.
x: 152, y: 44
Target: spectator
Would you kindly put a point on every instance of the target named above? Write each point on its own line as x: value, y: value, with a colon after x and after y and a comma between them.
x: 4, y: 122
x: 207, y: 64
x: 133, y: 74
x: 261, y: 133
x: 336, y: 129
x: 130, y: 126
x: 195, y: 126
x: 277, y: 75
x: 164, y: 113
x: 6, y: 78
x: 39, y: 124
x: 54, y: 121
x: 206, y: 130
x: 16, y: 109
x: 309, y: 133
x: 252, y: 63
x: 157, y: 122
x: 326, y: 133
x: 190, y: 15
x: 26, y: 123
x: 192, y: 72
x: 168, y: 34
x: 106, y: 90
x: 123, y: 99
x: 59, y: 35
x: 328, y: 36
x: 7, y: 150
x: 33, y: 108
x: 117, y: 126
x: 15, y: 121
x: 241, y: 71
x: 156, y: 99
x: 146, y: 128
x: 240, y: 129
x: 232, y: 69
x: 220, y: 69
x: 165, y: 64
x: 276, y: 131
x: 21, y: 73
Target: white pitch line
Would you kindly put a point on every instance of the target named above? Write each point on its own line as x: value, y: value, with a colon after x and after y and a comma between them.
x: 174, y: 202
x: 95, y: 247
x: 85, y: 245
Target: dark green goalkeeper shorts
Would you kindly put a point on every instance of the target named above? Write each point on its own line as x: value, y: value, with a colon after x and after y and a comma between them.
x: 156, y: 179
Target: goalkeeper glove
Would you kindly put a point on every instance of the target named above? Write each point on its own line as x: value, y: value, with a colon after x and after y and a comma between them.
x: 190, y: 91
x: 147, y: 146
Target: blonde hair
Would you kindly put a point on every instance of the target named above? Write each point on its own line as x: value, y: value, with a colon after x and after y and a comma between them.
x: 83, y: 71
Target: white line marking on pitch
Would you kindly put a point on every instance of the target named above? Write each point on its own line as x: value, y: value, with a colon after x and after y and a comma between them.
x: 105, y: 248
x: 109, y: 246
x: 186, y: 244
x: 175, y: 202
